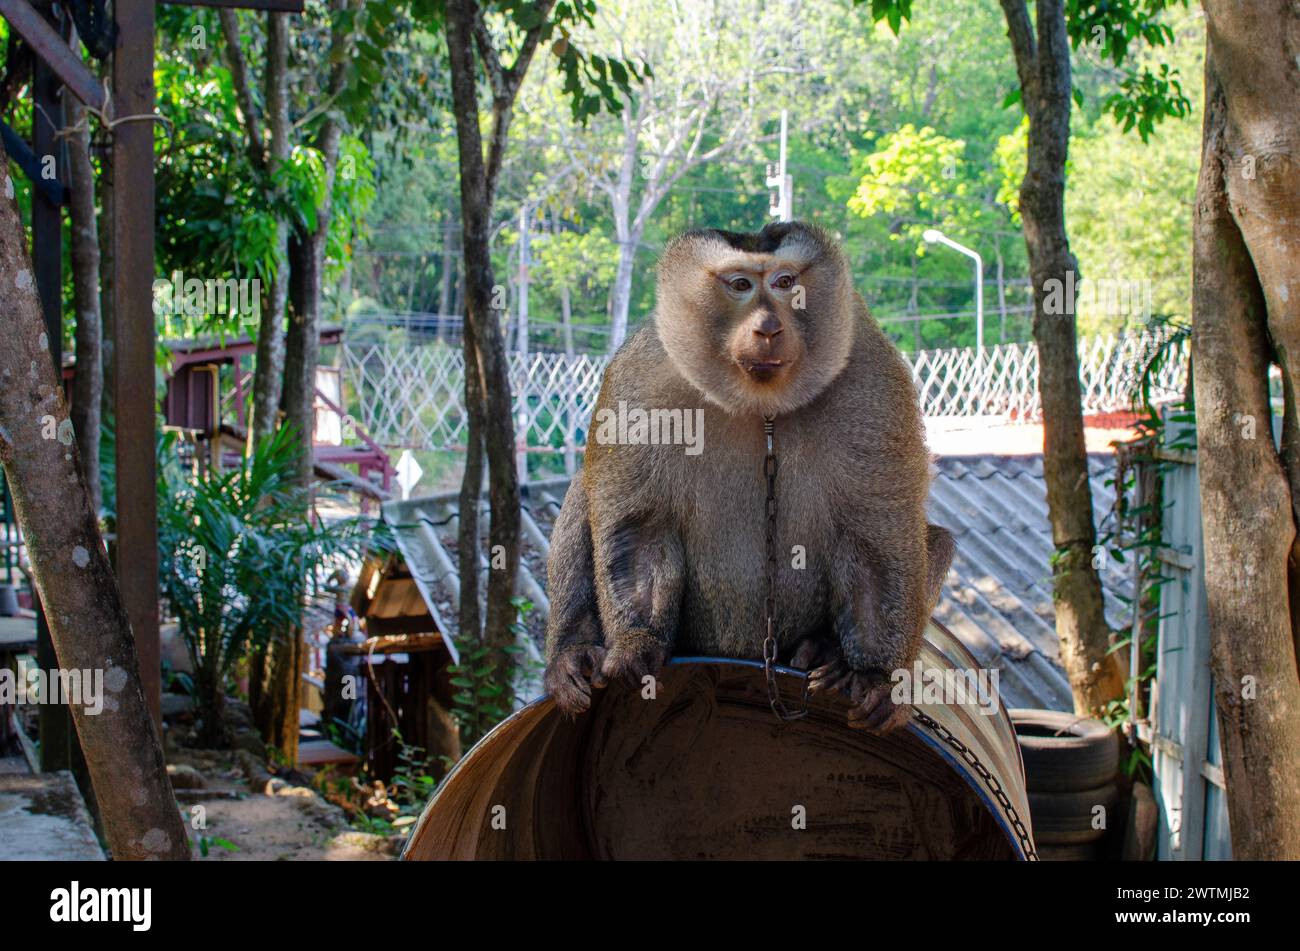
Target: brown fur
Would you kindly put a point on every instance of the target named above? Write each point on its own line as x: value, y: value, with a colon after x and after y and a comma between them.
x: 676, y: 543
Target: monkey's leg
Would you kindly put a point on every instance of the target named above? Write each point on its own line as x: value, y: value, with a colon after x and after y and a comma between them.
x: 821, y: 650
x: 574, y: 640
x: 882, y: 596
x: 640, y: 571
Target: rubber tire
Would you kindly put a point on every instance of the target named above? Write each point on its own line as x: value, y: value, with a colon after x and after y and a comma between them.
x: 1088, y: 852
x: 1065, y: 818
x: 1082, y: 754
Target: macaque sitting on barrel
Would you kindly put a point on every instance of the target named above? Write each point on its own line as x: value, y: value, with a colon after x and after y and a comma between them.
x: 660, y: 547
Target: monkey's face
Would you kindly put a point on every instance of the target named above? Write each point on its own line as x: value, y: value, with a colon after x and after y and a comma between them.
x: 759, y: 323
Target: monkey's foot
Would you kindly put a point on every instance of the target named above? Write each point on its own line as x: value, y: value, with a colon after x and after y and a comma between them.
x: 570, y: 676
x: 873, y: 708
x: 635, y: 657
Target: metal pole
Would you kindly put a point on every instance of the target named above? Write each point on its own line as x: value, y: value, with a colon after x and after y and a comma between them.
x: 933, y: 236
x: 783, y: 208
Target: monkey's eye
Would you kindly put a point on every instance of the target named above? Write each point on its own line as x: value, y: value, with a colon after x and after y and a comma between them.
x: 783, y: 282
x: 740, y: 284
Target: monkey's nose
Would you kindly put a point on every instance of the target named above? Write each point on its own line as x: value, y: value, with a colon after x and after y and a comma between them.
x: 769, y: 326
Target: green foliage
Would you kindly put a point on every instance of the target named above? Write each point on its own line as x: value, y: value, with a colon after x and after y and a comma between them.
x: 913, y: 176
x: 237, y: 554
x: 571, y: 259
x: 412, y: 785
x: 206, y: 845
x: 1147, y: 97
x: 894, y: 12
x: 483, y: 698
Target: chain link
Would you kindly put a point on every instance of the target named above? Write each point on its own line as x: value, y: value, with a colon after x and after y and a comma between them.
x: 779, y: 708
x: 995, y: 787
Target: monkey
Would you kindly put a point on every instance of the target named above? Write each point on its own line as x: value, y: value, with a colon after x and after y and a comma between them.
x: 659, y: 552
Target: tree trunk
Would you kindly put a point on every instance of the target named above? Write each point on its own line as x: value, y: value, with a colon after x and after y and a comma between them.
x: 621, y: 294
x: 470, y: 615
x: 483, y: 331
x: 268, y: 371
x: 448, y: 267
x: 1246, y: 255
x: 1043, y: 65
x: 108, y: 331
x: 88, y: 384
x: 307, y: 276
x: 88, y: 622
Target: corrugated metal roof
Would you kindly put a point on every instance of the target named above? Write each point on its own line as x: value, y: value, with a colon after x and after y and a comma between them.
x: 997, y: 599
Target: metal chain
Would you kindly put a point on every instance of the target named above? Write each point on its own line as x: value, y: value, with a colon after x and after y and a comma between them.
x: 779, y: 708
x: 995, y: 787
x: 769, y: 660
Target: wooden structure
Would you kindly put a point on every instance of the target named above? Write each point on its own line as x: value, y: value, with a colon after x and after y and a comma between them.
x: 127, y: 109
x: 206, y: 394
x: 17, y: 637
x: 704, y: 771
x: 404, y: 665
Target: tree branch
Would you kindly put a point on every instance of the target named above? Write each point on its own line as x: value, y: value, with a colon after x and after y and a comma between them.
x: 505, y: 85
x: 1021, y: 30
x: 243, y: 91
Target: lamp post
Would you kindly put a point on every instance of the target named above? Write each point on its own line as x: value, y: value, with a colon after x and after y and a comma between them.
x: 932, y: 236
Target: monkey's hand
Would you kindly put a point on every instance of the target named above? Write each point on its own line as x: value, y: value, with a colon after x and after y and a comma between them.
x: 636, y: 654
x: 570, y: 676
x: 813, y: 652
x: 870, y: 693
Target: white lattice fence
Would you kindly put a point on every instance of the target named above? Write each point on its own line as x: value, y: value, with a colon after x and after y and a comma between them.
x: 412, y: 396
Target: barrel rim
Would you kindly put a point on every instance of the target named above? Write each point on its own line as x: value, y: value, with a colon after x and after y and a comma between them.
x: 914, y: 727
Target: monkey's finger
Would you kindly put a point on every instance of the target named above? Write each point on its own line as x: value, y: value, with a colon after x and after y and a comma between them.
x: 807, y: 655
x: 830, y: 678
x: 572, y: 696
x: 858, y: 689
x: 875, y: 713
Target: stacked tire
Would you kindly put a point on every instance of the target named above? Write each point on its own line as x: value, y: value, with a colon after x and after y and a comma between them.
x: 1070, y: 768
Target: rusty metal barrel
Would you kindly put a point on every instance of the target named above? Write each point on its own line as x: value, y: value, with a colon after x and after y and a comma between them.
x: 706, y: 771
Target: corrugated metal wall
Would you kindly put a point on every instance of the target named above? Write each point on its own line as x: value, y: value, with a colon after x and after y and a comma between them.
x: 1185, y: 744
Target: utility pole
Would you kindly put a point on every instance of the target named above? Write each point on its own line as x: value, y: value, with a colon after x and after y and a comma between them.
x: 782, y: 205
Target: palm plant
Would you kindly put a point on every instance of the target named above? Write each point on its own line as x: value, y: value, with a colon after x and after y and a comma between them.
x: 238, y: 554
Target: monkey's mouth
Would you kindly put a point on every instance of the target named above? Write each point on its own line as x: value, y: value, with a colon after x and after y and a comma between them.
x: 762, y: 370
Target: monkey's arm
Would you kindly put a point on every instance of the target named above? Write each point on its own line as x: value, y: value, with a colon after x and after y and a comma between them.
x: 574, y: 640
x: 639, y: 576
x: 882, y: 601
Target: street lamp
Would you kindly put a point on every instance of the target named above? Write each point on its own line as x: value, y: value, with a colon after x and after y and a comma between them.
x: 932, y: 236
